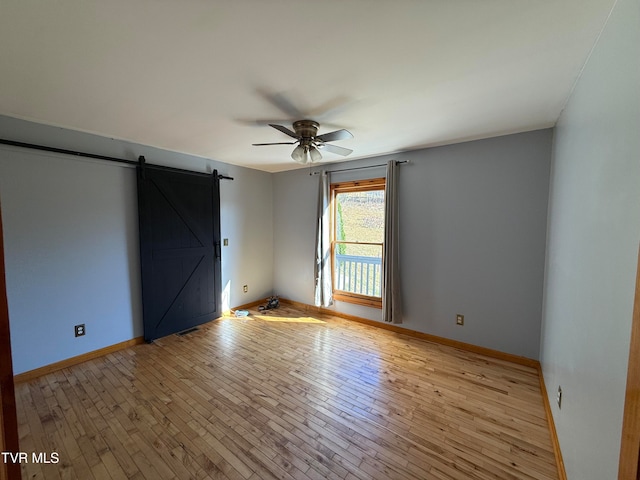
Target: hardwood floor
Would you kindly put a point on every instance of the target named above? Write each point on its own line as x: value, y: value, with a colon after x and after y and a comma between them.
x: 285, y: 395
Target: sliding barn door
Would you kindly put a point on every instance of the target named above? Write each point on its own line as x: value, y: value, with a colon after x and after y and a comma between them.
x: 179, y: 249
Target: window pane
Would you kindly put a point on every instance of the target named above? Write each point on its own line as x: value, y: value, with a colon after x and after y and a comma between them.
x: 357, y: 268
x: 360, y: 216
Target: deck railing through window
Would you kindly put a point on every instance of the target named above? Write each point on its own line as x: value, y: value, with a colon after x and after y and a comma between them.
x: 359, y: 274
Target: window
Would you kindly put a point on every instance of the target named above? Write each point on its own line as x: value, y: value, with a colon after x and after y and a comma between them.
x: 357, y: 236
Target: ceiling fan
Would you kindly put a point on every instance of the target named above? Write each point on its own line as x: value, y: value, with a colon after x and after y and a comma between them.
x: 309, y: 143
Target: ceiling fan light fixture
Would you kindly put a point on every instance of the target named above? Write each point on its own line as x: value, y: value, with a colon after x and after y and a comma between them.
x: 315, y: 155
x: 300, y: 155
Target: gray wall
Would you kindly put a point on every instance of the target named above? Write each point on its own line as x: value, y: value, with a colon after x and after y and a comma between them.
x: 473, y: 224
x: 594, y: 230
x: 71, y: 240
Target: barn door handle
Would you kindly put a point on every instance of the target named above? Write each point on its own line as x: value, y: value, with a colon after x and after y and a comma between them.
x: 216, y: 248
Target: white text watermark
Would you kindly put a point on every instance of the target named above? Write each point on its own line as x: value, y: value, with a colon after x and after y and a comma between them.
x: 35, y: 457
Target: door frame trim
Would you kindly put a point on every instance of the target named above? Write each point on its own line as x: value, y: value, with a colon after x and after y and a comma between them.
x: 9, y: 440
x: 630, y: 444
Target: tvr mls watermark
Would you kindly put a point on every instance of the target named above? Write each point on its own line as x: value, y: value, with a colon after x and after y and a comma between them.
x: 35, y: 457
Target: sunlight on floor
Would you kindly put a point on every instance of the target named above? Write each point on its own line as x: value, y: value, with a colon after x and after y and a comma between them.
x: 267, y: 318
x: 226, y: 297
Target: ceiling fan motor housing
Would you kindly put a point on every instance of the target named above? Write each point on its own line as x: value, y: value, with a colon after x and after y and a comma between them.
x: 306, y: 129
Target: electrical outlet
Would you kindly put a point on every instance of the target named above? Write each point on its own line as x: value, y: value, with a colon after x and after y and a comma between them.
x: 559, y: 397
x: 80, y: 330
x: 245, y: 289
x: 459, y: 319
x: 225, y: 242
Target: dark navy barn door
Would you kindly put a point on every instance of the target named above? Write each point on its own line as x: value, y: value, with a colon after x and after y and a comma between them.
x: 179, y: 249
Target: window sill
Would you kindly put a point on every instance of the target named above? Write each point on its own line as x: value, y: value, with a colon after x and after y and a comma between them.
x: 348, y: 297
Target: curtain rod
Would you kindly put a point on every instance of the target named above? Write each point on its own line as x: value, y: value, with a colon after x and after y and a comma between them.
x: 76, y: 153
x: 398, y: 162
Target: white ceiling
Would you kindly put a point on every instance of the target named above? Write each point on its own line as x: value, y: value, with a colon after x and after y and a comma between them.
x: 205, y: 76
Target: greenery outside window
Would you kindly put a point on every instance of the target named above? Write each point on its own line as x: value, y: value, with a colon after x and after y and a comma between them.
x: 357, y: 236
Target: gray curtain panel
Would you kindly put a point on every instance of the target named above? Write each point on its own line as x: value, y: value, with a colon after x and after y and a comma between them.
x: 323, y: 287
x: 391, y: 298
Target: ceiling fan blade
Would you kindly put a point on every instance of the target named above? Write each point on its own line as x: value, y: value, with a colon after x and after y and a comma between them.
x: 284, y: 130
x: 274, y: 143
x: 333, y: 136
x: 335, y: 149
x: 329, y: 108
x: 281, y: 102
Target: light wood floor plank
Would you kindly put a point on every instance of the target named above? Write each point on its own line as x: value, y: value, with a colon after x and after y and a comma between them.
x: 288, y: 395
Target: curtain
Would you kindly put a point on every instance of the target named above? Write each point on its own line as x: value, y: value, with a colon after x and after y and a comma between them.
x: 323, y: 287
x: 391, y: 301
